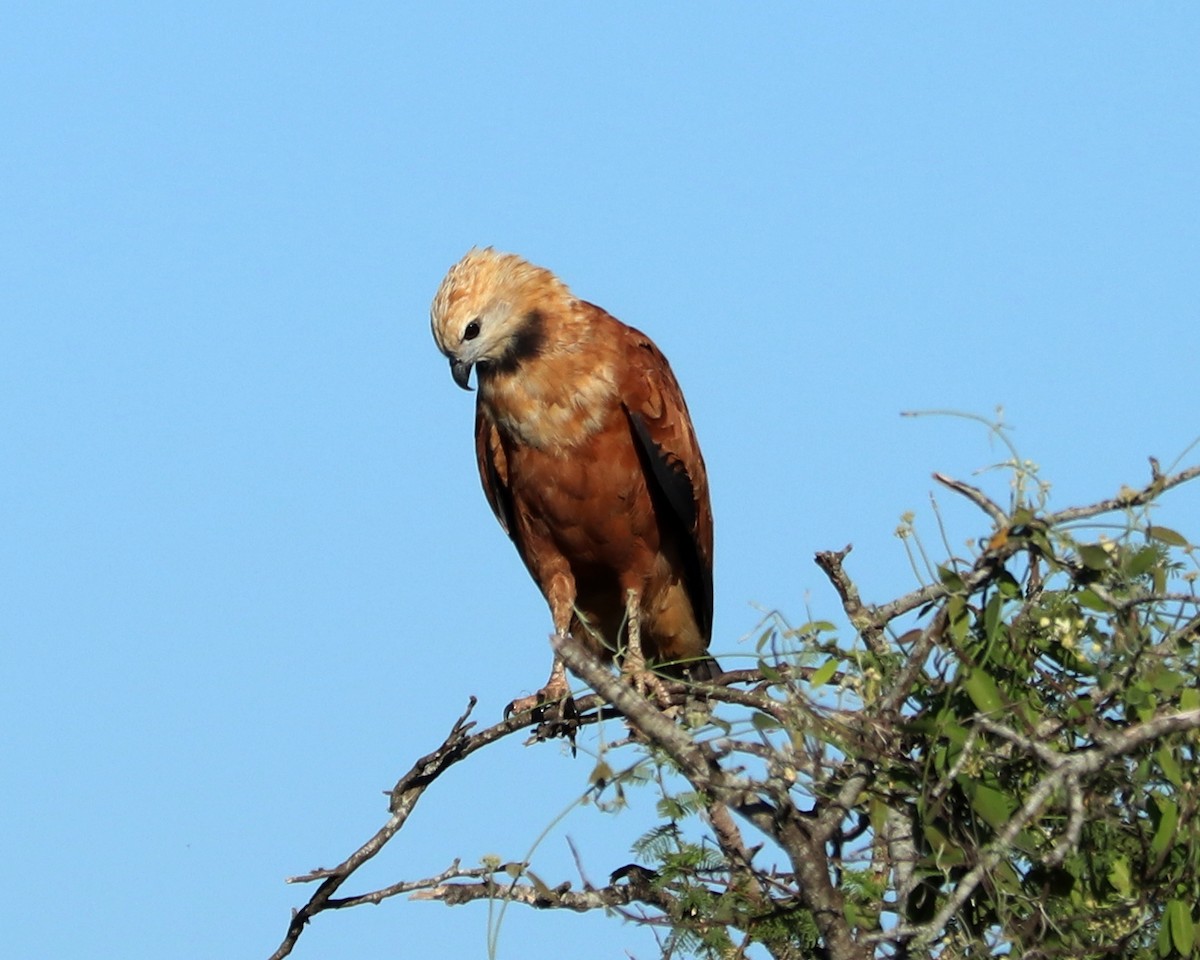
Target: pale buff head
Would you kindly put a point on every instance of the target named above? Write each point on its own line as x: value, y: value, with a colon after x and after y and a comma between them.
x: 488, y: 312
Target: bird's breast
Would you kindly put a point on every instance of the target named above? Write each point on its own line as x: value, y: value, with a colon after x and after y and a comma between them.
x: 590, y: 498
x: 554, y: 406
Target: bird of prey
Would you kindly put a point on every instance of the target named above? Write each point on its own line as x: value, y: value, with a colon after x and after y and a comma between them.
x: 590, y: 462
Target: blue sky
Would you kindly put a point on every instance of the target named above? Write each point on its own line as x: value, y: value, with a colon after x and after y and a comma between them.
x: 247, y: 571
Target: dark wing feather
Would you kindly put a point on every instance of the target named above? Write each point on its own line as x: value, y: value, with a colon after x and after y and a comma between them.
x: 493, y: 470
x: 674, y: 485
x: 666, y: 439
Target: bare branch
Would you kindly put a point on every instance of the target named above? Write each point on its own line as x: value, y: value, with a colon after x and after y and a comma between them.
x: 561, y: 897
x: 407, y: 886
x: 900, y: 842
x: 779, y: 820
x: 863, y: 619
x: 695, y: 760
x: 1070, y: 838
x: 1048, y: 755
x: 729, y: 839
x: 976, y: 496
x: 404, y: 796
x: 1131, y: 498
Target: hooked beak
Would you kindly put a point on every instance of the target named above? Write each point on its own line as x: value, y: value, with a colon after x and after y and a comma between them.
x: 460, y: 370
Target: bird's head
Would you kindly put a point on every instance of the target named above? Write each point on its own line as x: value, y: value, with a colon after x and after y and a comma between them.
x: 489, y: 313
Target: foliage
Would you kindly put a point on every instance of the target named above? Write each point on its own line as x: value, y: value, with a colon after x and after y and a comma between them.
x: 998, y: 763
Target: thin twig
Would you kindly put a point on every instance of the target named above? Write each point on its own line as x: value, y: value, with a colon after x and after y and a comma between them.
x: 976, y: 496
x: 863, y: 620
x: 404, y: 796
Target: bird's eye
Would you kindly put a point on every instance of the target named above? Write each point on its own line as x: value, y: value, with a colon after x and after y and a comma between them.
x: 472, y: 330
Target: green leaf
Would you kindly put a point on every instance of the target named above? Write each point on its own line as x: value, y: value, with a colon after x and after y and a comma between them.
x: 983, y: 691
x: 991, y: 804
x: 1138, y: 694
x: 952, y: 730
x: 1167, y: 822
x: 1031, y: 843
x: 1006, y: 880
x: 1168, y: 536
x: 1142, y: 561
x: 945, y: 853
x: 1164, y: 936
x: 1093, y: 556
x: 1183, y: 933
x: 951, y: 580
x: 813, y: 626
x: 764, y: 721
x: 956, y: 609
x: 1189, y: 698
x: 879, y: 814
x: 1091, y: 600
x: 1167, y: 681
x: 992, y: 616
x: 539, y: 885
x: 1007, y: 584
x: 1158, y: 578
x: 823, y: 673
x: 1170, y: 766
x: 1118, y: 876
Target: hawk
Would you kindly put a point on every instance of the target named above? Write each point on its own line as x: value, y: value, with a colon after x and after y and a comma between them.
x: 589, y: 460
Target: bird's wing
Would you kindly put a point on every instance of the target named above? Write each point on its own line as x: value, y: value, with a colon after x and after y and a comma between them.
x: 674, y: 466
x: 493, y: 470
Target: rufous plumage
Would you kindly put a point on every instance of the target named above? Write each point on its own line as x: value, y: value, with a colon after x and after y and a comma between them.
x: 590, y: 462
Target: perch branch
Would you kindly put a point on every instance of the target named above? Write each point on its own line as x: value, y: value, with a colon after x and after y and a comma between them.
x: 779, y: 819
x: 636, y: 889
x: 458, y: 745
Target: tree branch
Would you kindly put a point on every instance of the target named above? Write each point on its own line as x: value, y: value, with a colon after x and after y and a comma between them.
x: 845, y: 762
x: 976, y: 496
x: 778, y: 819
x: 403, y: 798
x: 1131, y: 498
x: 1066, y: 768
x: 636, y: 889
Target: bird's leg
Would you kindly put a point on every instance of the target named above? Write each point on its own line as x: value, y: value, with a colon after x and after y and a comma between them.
x: 553, y: 707
x: 555, y: 689
x: 633, y: 664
